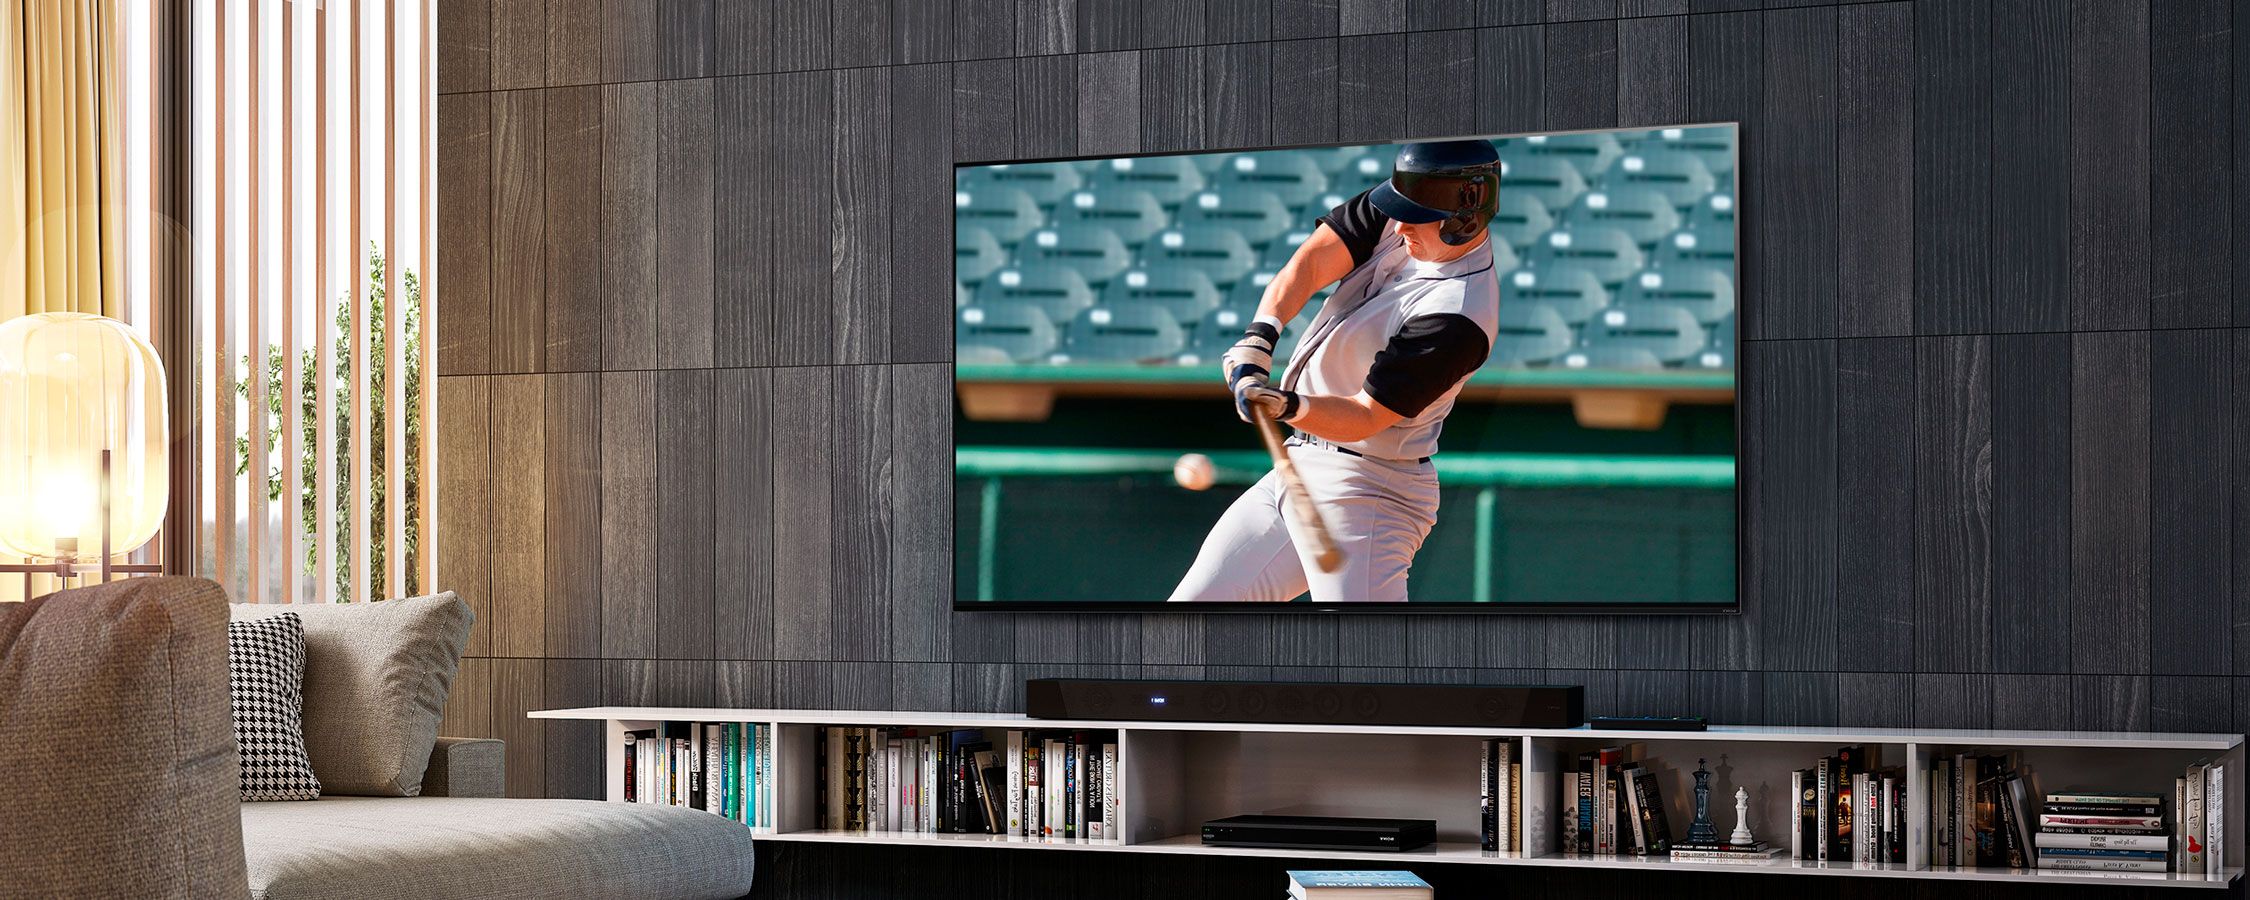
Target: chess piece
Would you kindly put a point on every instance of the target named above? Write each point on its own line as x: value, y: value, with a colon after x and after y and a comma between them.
x: 1701, y: 831
x: 1741, y: 836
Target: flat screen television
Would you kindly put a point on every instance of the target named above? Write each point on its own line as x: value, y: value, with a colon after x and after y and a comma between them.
x: 1503, y: 369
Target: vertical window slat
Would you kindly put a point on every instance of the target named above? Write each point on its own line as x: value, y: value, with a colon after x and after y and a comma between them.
x: 255, y: 506
x: 394, y: 312
x: 357, y: 511
x: 292, y: 542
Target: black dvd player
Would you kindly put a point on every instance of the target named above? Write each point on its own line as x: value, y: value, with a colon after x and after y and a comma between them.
x: 1320, y: 833
x: 1435, y: 705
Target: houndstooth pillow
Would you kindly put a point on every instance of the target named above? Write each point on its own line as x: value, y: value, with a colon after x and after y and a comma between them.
x: 265, y: 676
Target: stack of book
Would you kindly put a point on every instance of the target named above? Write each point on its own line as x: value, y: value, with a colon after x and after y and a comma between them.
x: 1357, y: 886
x: 721, y: 768
x: 1499, y: 784
x: 2119, y: 831
x: 1039, y: 784
x: 1980, y: 812
x: 1619, y: 806
x: 1848, y: 809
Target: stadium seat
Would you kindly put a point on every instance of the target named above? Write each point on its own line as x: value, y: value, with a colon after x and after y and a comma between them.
x: 1217, y: 331
x: 979, y: 354
x: 1712, y: 144
x: 1045, y: 182
x: 1007, y: 212
x: 1609, y: 358
x: 1170, y: 179
x: 1521, y: 219
x: 1705, y: 291
x: 1145, y: 334
x: 1365, y: 172
x: 1217, y: 251
x: 1553, y: 180
x: 1020, y: 330
x: 1057, y: 290
x: 1279, y: 250
x: 1718, y: 345
x: 1573, y: 293
x: 1690, y: 247
x: 1668, y: 333
x: 1210, y: 163
x: 1644, y: 214
x: 1132, y: 213
x: 1607, y: 252
x: 1332, y: 160
x: 1288, y: 174
x: 1712, y: 213
x: 1255, y: 213
x: 960, y: 295
x: 1094, y: 251
x: 1185, y: 293
x: 975, y: 254
x: 1247, y: 292
x: 1680, y: 176
x: 1590, y: 152
x: 1528, y: 334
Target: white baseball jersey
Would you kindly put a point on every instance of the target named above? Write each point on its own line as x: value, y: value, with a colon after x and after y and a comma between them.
x: 1409, y: 332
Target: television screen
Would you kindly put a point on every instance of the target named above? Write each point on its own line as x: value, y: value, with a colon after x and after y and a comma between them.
x: 1498, y: 374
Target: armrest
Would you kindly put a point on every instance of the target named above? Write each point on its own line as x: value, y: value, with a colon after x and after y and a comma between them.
x: 467, y: 767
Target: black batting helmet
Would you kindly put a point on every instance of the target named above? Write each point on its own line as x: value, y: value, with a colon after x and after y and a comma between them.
x: 1455, y: 182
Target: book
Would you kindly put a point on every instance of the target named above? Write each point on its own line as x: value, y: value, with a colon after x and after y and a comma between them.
x: 1488, y: 819
x: 1093, y: 793
x: 1941, y: 813
x: 1014, y: 750
x: 1345, y: 885
x: 1824, y: 784
x: 2106, y: 798
x: 1034, y: 791
x: 1964, y: 810
x: 2108, y: 865
x: 2191, y: 829
x: 2136, y: 823
x: 1569, y: 820
x: 1113, y: 827
x: 1605, y: 799
x: 831, y: 781
x: 1504, y: 774
x: 713, y: 793
x: 2215, y: 820
x: 892, y: 797
x: 1797, y: 814
x: 931, y: 784
x: 2097, y: 809
x: 1633, y: 836
x: 1586, y: 803
x: 1727, y: 853
x: 2046, y: 840
x: 991, y: 776
x: 2104, y: 853
x: 2014, y: 849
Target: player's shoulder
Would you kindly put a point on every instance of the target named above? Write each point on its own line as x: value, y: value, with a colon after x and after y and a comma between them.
x: 1474, y: 294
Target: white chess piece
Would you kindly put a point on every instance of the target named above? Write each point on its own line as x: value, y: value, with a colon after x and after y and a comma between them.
x: 1741, y: 836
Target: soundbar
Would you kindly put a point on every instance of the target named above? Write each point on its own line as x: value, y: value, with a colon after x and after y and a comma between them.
x: 1489, y: 706
x: 1320, y: 833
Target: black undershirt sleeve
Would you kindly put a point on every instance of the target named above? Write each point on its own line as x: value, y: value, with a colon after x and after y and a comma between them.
x: 1359, y: 224
x: 1427, y: 356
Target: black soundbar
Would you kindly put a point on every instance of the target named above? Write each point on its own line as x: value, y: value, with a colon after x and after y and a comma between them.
x: 1320, y: 833
x: 1492, y: 706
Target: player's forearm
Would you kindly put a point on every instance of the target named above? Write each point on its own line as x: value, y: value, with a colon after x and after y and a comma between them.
x: 1286, y: 295
x: 1320, y: 261
x: 1341, y: 420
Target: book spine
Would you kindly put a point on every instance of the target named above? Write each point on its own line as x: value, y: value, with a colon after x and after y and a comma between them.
x: 2100, y: 829
x: 1504, y: 794
x: 1824, y: 782
x: 831, y: 755
x: 1515, y: 811
x: 1634, y: 836
x: 2106, y: 799
x: 891, y: 787
x: 1936, y: 810
x: 2104, y: 809
x: 1112, y: 824
x: 2141, y: 823
x: 1034, y: 791
x: 1094, y: 805
x: 2011, y: 844
x: 1488, y: 825
x: 1797, y: 814
x: 2103, y: 853
x: 1655, y: 824
x: 714, y: 784
x: 1871, y: 819
x: 630, y: 751
x: 932, y: 786
x: 1570, y: 822
x: 1965, y: 809
x: 1072, y: 759
x: 1604, y: 818
x: 2046, y: 841
x: 2103, y: 865
x: 1585, y: 817
x: 2215, y: 818
x: 1015, y: 782
x: 2191, y: 857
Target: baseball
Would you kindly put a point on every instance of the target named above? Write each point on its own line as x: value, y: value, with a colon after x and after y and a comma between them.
x: 1195, y: 472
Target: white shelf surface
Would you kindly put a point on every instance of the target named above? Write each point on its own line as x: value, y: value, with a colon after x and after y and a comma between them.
x: 1290, y: 768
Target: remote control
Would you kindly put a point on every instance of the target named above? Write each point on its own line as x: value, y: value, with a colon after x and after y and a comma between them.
x: 1650, y: 723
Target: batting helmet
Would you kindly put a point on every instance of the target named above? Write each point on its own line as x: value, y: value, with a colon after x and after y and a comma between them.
x: 1455, y: 182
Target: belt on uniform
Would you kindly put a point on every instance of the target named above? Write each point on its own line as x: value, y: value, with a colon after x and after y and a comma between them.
x: 1302, y: 439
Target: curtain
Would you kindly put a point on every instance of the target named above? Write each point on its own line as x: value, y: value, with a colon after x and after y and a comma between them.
x: 61, y: 159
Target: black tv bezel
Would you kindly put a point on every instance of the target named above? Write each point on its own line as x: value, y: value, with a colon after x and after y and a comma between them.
x: 1415, y: 607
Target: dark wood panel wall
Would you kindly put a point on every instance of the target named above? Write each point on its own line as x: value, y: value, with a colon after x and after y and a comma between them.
x: 694, y: 317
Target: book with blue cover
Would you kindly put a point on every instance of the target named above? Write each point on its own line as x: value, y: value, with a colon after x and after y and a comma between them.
x: 1356, y: 885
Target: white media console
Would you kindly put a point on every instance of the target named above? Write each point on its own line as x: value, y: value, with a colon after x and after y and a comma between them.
x: 1175, y: 775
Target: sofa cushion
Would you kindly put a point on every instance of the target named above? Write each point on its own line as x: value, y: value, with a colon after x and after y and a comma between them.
x: 433, y: 848
x: 265, y: 678
x: 376, y: 675
x: 113, y: 713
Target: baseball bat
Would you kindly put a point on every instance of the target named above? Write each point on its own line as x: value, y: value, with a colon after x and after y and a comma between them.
x: 1326, y: 554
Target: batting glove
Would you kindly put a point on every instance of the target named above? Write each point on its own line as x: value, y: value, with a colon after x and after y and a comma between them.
x: 1253, y: 398
x: 1251, y: 357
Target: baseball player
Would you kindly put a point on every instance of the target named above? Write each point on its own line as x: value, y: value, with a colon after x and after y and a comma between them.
x: 1370, y: 384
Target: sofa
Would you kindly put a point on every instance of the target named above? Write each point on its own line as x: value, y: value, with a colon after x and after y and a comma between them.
x: 119, y: 693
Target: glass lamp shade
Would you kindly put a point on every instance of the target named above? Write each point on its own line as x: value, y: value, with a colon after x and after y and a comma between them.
x: 74, y: 385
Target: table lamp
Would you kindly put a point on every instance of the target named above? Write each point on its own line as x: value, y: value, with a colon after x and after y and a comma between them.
x: 83, y: 440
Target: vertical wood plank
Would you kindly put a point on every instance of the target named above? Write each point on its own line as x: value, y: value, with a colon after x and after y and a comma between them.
x: 747, y: 684
x: 804, y: 315
x: 628, y: 504
x: 921, y: 31
x: 2031, y: 502
x: 2190, y: 476
x: 2240, y: 503
x: 1172, y: 100
x: 575, y: 751
x: 921, y: 258
x: 1295, y: 19
x: 1953, y: 504
x: 685, y: 537
x: 2189, y: 55
x: 1046, y: 100
x: 1875, y: 504
x: 2031, y: 166
x: 1789, y: 469
x: 574, y: 41
x: 2028, y: 701
x: 1370, y: 16
x: 859, y: 33
x: 859, y: 533
x: 464, y: 39
x: 684, y: 38
x: 2182, y: 703
x: 1172, y: 23
x: 519, y: 44
x: 573, y: 242
x: 1581, y: 77
x: 1304, y: 92
x: 2109, y: 702
x: 1444, y: 61
x: 748, y: 177
x: 859, y: 283
x: 629, y: 40
x: 983, y: 29
x: 1370, y: 97
x: 464, y: 217
x: 921, y: 502
x: 2109, y: 164
x: 1652, y: 83
x: 629, y: 682
x: 628, y: 227
x: 1801, y: 698
x: 1953, y: 167
x: 684, y: 242
x: 803, y: 415
x: 1046, y: 27
x: 1796, y: 178
x: 742, y: 513
x: 1875, y: 169
x: 1947, y: 700
x: 1875, y: 700
x: 687, y: 682
x: 2109, y: 503
x: 518, y: 687
x: 1237, y: 21
x: 519, y: 256
x: 519, y: 519
x: 1239, y: 103
x: 468, y: 700
x: 464, y: 506
x: 573, y: 468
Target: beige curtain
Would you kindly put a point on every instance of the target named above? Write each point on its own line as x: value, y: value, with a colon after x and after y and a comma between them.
x: 61, y: 159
